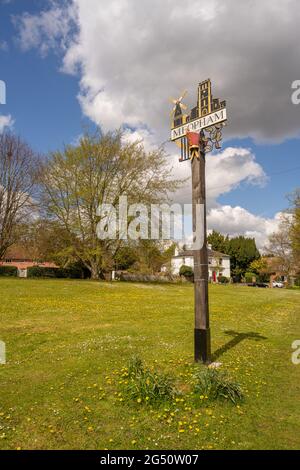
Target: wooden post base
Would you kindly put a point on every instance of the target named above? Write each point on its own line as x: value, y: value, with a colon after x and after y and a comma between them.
x: 202, y: 346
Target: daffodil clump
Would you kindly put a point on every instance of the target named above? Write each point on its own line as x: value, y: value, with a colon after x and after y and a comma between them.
x: 214, y: 384
x: 145, y: 385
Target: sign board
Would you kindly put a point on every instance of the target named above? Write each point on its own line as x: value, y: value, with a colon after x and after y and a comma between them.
x: 209, y: 116
x: 198, y: 124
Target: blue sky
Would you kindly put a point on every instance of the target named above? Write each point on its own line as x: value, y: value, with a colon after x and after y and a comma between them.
x: 41, y: 100
x: 44, y: 81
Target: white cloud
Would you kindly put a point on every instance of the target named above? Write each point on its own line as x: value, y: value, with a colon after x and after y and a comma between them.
x: 6, y: 122
x: 147, y: 138
x: 225, y: 171
x: 50, y: 29
x: 132, y: 55
x: 236, y: 221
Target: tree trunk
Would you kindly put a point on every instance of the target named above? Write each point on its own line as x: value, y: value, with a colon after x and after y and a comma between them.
x: 95, y: 275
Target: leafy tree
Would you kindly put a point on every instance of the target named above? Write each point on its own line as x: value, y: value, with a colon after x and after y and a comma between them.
x: 259, y: 266
x: 243, y: 252
x: 151, y: 256
x: 125, y: 257
x: 218, y: 241
x: 99, y: 170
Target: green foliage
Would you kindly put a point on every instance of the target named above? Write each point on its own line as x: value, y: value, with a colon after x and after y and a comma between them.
x: 263, y: 277
x: 242, y: 251
x: 249, y: 277
x: 125, y: 258
x: 135, y: 366
x: 8, y: 271
x: 72, y: 272
x: 216, y: 384
x: 151, y: 257
x: 218, y: 242
x: 223, y: 280
x: 186, y: 271
x: 146, y: 385
x: 77, y: 335
x: 39, y: 271
x: 259, y: 266
x: 101, y: 168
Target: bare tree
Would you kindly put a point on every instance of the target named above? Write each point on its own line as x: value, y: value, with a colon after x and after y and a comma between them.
x: 100, y: 170
x: 17, y: 185
x: 295, y: 227
x: 280, y: 247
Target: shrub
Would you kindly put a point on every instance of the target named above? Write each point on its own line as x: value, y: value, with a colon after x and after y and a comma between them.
x: 39, y: 271
x: 216, y: 384
x: 73, y: 272
x: 186, y: 271
x: 297, y: 282
x: 224, y: 280
x: 135, y: 366
x: 147, y: 386
x: 8, y: 271
x: 249, y: 277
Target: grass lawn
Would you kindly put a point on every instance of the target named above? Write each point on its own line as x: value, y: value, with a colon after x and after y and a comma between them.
x: 67, y: 342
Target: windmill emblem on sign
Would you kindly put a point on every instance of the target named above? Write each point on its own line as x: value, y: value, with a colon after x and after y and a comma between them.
x: 207, y: 119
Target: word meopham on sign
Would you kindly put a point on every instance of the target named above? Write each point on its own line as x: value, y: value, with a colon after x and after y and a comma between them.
x: 198, y: 124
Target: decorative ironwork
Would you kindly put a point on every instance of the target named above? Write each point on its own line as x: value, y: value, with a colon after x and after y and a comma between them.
x: 213, y: 137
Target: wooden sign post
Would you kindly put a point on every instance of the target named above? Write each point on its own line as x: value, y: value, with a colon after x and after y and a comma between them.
x: 188, y: 132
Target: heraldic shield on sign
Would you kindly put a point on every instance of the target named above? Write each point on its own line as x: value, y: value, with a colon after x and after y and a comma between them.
x: 207, y: 119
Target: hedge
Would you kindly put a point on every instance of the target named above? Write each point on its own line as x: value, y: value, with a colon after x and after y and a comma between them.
x: 186, y: 271
x: 223, y: 280
x: 249, y: 277
x: 54, y: 273
x: 8, y: 271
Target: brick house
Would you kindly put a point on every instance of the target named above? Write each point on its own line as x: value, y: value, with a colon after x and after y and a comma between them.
x: 23, y: 258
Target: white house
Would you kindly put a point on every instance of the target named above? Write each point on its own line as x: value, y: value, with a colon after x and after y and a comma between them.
x: 218, y: 263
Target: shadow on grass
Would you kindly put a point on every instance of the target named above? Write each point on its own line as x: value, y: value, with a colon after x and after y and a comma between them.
x: 237, y: 339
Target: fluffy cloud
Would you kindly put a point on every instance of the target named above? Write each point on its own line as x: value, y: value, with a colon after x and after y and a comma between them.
x: 50, y: 29
x: 225, y: 172
x: 132, y: 55
x: 6, y: 122
x: 238, y: 221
